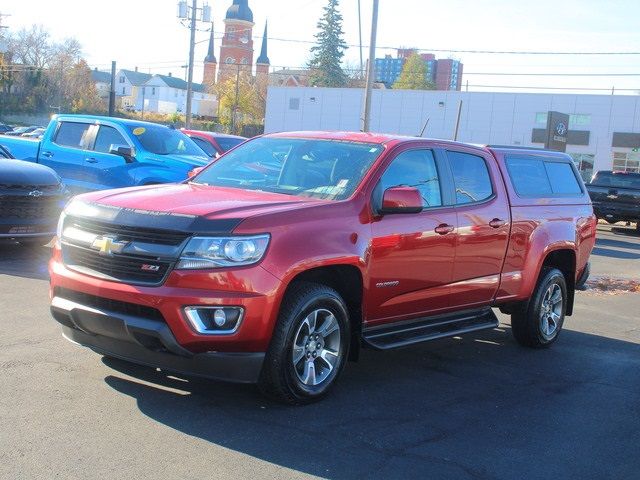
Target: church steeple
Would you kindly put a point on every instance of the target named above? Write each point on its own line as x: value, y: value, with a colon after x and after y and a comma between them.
x: 211, y: 56
x: 210, y: 65
x: 263, y: 58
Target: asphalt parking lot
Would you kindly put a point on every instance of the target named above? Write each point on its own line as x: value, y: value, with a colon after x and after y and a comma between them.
x: 477, y: 407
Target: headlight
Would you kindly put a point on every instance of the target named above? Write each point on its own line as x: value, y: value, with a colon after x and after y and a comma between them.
x: 59, y: 228
x: 214, y: 252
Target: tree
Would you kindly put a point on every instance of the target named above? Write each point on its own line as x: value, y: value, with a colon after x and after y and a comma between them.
x: 327, y: 54
x: 414, y: 75
x: 247, y: 105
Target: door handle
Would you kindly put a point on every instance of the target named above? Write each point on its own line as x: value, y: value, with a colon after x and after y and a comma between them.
x: 497, y: 223
x: 91, y: 160
x: 444, y: 228
x: 47, y: 154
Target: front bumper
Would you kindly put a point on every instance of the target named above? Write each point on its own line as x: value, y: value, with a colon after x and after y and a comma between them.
x: 149, y: 342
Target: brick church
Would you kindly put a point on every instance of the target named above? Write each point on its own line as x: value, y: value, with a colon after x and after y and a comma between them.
x: 236, y: 51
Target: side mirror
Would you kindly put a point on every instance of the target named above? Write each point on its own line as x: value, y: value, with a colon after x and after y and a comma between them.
x: 194, y: 172
x: 124, y: 151
x: 401, y: 200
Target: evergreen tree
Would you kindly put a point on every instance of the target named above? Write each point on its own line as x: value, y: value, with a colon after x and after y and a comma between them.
x: 414, y: 75
x: 327, y: 54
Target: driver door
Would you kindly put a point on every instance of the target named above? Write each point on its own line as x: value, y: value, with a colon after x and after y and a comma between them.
x: 411, y: 263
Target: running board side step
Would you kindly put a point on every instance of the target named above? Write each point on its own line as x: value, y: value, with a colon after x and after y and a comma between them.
x: 402, y: 334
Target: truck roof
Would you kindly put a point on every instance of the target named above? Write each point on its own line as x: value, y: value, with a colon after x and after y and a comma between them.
x: 98, y: 118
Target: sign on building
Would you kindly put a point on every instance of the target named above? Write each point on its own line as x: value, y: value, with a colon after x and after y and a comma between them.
x: 557, y: 131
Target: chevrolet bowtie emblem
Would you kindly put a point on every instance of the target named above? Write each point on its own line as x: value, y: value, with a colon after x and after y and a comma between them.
x: 108, y: 245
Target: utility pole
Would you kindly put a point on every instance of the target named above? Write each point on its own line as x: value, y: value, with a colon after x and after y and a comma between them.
x: 193, y: 16
x: 192, y: 46
x: 360, y: 38
x: 112, y: 90
x: 366, y: 109
x: 234, y: 112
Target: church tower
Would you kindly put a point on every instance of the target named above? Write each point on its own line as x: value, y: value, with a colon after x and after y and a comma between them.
x: 210, y: 65
x: 262, y: 64
x: 237, y: 43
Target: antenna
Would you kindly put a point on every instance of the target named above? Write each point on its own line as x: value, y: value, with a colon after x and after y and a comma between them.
x: 424, y: 127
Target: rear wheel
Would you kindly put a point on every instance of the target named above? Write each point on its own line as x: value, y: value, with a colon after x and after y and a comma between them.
x: 538, y: 323
x: 309, y: 346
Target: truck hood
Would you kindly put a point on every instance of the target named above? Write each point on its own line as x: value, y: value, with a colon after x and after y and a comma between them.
x: 191, y: 200
x: 191, y: 160
x: 18, y: 172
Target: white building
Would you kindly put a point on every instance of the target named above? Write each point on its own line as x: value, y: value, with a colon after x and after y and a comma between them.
x: 604, y: 130
x: 168, y: 94
x: 102, y: 81
x: 129, y: 87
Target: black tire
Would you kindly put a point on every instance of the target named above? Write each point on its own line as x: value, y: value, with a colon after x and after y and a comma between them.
x: 280, y: 378
x: 527, y: 322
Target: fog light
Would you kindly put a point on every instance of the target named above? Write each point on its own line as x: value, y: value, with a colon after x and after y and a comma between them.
x: 214, y: 320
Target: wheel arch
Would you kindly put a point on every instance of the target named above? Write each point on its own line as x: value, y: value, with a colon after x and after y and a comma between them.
x: 347, y: 280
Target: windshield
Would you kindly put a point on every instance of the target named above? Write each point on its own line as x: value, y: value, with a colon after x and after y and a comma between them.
x: 165, y: 141
x: 227, y: 143
x: 325, y: 169
x: 616, y: 180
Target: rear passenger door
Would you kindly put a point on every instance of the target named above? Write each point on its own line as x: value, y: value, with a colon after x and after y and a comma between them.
x: 483, y: 217
x: 65, y: 153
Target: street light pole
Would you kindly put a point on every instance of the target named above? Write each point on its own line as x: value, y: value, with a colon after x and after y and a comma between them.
x: 366, y: 109
x: 192, y: 46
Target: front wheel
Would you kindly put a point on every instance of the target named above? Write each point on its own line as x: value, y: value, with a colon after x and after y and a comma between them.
x: 538, y: 323
x: 309, y: 346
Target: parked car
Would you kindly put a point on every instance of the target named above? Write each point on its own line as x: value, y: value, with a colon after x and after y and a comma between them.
x: 94, y: 153
x: 359, y: 240
x: 31, y: 199
x: 213, y: 144
x: 18, y: 131
x: 616, y: 196
x: 37, y: 133
x: 5, y: 128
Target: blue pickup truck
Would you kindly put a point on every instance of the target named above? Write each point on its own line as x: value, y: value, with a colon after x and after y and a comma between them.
x: 94, y: 153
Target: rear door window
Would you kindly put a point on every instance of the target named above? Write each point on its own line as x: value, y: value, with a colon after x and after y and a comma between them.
x: 471, y: 177
x: 540, y: 177
x: 73, y: 134
x: 617, y: 180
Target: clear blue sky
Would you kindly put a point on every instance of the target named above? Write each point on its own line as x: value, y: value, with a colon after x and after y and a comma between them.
x: 146, y: 33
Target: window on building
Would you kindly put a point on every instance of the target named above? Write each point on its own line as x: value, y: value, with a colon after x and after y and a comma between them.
x: 294, y: 104
x: 106, y: 137
x: 471, y: 177
x: 575, y: 120
x: 626, y: 162
x: 153, y: 91
x: 230, y: 60
x: 415, y: 168
x: 72, y: 134
x: 124, y: 90
x: 121, y: 79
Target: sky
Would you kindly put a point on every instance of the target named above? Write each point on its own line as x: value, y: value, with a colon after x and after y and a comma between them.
x: 147, y: 34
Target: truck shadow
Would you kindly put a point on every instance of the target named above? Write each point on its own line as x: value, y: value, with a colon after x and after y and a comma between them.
x: 605, y: 242
x: 24, y: 261
x: 472, y: 407
x: 612, y: 253
x: 629, y: 232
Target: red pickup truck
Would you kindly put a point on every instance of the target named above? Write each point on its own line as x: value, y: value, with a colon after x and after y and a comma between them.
x: 279, y: 276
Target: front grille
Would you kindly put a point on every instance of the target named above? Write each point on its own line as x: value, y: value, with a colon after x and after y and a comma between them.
x: 129, y: 234
x: 27, y: 208
x: 123, y: 268
x: 30, y: 188
x: 108, y: 304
